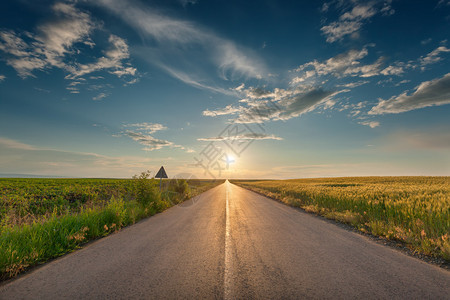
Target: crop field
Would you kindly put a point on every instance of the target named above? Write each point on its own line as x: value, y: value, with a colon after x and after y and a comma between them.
x: 412, y: 210
x: 45, y: 218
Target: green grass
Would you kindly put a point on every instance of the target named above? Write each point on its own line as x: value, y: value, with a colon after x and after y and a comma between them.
x: 412, y: 210
x: 46, y: 218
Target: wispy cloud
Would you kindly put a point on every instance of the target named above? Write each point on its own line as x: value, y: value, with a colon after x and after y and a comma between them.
x: 57, y: 37
x: 112, y: 61
x: 148, y: 141
x: 371, y: 124
x: 393, y: 70
x: 261, y: 105
x: 14, y: 144
x: 181, y: 42
x: 342, y: 65
x: 187, y: 2
x: 429, y: 93
x: 2, y: 77
x: 56, y: 44
x: 19, y: 157
x: 399, y: 68
x: 148, y: 127
x: 353, y: 18
x: 247, y: 136
x: 436, y: 138
x: 53, y: 40
x: 99, y: 97
x: 188, y: 79
x: 228, y: 110
x: 433, y: 56
x: 143, y: 134
x: 353, y: 84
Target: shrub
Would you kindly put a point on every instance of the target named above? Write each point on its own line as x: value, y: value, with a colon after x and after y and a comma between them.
x: 145, y: 189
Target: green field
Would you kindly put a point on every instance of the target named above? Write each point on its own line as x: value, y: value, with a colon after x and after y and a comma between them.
x: 412, y: 210
x: 45, y: 218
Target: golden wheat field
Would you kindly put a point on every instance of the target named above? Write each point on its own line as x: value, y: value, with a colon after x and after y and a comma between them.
x: 412, y: 210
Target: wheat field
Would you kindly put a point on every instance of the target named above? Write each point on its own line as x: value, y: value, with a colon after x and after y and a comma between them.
x: 412, y: 210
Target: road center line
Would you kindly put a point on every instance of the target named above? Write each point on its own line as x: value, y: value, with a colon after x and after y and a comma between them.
x: 227, y: 275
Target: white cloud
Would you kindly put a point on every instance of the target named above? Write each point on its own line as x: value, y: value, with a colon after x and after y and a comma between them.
x: 57, y: 37
x: 2, y: 77
x: 148, y: 127
x: 148, y: 141
x: 443, y: 2
x: 21, y: 158
x: 399, y: 68
x: 247, y: 136
x: 436, y: 138
x: 13, y: 144
x: 342, y: 65
x: 228, y: 110
x: 351, y: 21
x: 240, y: 87
x: 96, y: 77
x: 55, y: 44
x: 261, y: 105
x: 132, y: 81
x: 113, y: 60
x: 19, y: 55
x: 371, y: 124
x: 429, y: 93
x: 402, y: 82
x: 426, y: 41
x: 359, y: 12
x: 12, y: 44
x: 188, y: 79
x: 99, y: 97
x: 51, y: 44
x: 337, y: 30
x: 186, y: 41
x: 433, y: 56
x: 143, y: 134
x: 353, y: 84
x: 187, y: 2
x: 233, y: 62
x: 392, y: 70
x: 387, y: 9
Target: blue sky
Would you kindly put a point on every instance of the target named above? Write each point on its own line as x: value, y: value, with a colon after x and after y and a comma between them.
x: 238, y: 89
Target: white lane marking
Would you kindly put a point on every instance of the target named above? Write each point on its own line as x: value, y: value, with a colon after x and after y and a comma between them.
x: 227, y: 275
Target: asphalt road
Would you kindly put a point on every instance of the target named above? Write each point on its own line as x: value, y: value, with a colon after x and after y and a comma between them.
x: 234, y: 244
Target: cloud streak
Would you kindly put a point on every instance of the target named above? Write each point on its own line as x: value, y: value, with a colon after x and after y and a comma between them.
x: 247, y: 136
x: 112, y: 60
x: 53, y: 41
x: 143, y: 134
x: 342, y: 65
x: 351, y: 21
x: 259, y: 105
x: 429, y: 93
x: 433, y: 56
x: 185, y: 41
x: 56, y: 44
x: 18, y: 157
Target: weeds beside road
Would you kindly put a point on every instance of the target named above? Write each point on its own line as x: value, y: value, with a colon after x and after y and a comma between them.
x: 46, y: 218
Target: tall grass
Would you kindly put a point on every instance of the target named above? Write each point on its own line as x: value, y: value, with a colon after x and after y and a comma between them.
x: 413, y: 210
x: 43, y: 219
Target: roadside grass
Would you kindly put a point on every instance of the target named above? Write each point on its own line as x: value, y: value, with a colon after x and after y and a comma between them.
x: 412, y: 210
x: 41, y: 220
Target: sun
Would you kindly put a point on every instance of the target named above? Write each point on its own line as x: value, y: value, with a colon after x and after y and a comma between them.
x: 230, y: 159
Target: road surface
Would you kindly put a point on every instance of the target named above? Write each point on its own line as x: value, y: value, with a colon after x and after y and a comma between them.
x: 233, y: 244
